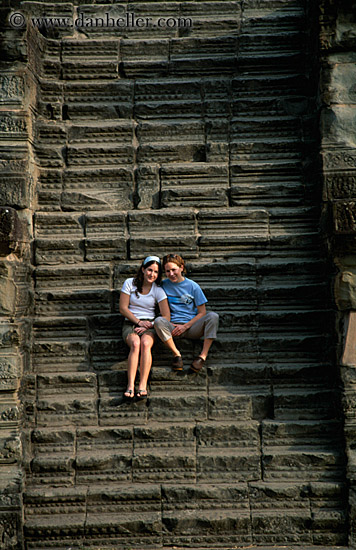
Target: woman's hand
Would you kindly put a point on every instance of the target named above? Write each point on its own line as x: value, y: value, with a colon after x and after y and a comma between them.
x: 145, y: 324
x: 139, y: 330
x: 179, y: 330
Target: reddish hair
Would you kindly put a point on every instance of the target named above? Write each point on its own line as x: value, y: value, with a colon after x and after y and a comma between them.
x: 174, y: 258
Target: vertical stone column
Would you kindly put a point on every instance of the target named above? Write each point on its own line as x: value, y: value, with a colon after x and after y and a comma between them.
x: 16, y: 177
x: 338, y: 131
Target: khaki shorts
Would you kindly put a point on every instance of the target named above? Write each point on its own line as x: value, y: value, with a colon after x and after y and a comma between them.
x: 129, y: 328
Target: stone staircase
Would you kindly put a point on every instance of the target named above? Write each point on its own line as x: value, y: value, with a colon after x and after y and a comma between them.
x: 203, y: 143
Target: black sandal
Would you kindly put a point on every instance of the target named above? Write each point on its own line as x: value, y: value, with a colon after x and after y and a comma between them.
x: 142, y: 394
x: 129, y: 394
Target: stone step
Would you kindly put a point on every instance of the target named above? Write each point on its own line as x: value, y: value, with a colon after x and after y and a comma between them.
x: 269, y: 85
x: 296, y: 403
x: 153, y: 452
x: 200, y: 515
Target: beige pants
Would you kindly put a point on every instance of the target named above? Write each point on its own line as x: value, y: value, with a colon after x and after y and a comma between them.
x: 206, y: 327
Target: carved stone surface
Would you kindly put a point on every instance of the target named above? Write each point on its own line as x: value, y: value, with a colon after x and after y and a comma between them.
x: 199, y: 137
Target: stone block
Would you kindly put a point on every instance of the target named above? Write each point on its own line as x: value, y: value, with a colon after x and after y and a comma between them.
x: 106, y: 132
x: 343, y: 158
x: 164, y: 98
x: 171, y: 152
x: 86, y: 156
x: 91, y: 100
x: 285, y: 527
x: 225, y: 404
x: 194, y: 185
x: 344, y: 217
x: 98, y: 188
x: 338, y: 125
x: 59, y: 356
x: 279, y: 496
x: 141, y: 58
x: 66, y: 399
x: 349, y: 351
x: 148, y: 186
x: 227, y: 465
x: 291, y: 464
x: 297, y: 403
x: 65, y: 242
x: 340, y: 87
x: 73, y: 302
x: 172, y: 406
x: 67, y: 250
x: 12, y: 89
x: 90, y: 69
x: 115, y: 411
x: 14, y: 190
x: 103, y: 48
x: 73, y: 276
x: 9, y: 414
x: 131, y: 510
x: 49, y: 189
x: 165, y: 452
x: 302, y: 433
x: 104, y: 466
x: 105, y: 326
x: 340, y: 185
x: 10, y: 448
x: 10, y: 522
x: 161, y: 231
x: 10, y: 370
x: 11, y: 230
x: 175, y: 465
x: 243, y: 227
x: 106, y: 236
x: 345, y: 288
x: 107, y: 353
x: 59, y: 328
x: 206, y: 515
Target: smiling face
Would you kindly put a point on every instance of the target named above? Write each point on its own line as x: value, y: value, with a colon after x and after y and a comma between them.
x: 174, y: 272
x: 150, y: 273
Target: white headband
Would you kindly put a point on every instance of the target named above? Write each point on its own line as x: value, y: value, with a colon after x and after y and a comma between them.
x: 151, y: 259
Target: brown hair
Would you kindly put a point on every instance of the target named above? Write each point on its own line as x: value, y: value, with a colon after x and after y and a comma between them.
x: 174, y: 258
x: 138, y: 280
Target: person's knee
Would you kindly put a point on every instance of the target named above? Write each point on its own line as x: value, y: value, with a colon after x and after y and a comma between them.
x: 160, y: 322
x: 146, y: 344
x: 213, y: 317
x: 134, y: 344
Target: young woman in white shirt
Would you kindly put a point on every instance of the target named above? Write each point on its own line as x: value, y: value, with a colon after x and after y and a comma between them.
x: 138, y: 299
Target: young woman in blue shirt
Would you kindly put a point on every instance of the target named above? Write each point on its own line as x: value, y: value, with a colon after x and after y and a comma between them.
x: 189, y: 317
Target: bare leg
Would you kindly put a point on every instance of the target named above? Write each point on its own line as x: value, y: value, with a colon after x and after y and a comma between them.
x: 206, y: 346
x: 171, y: 345
x: 147, y: 341
x: 133, y: 341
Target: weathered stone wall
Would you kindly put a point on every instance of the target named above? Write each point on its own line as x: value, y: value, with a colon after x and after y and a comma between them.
x: 338, y: 102
x: 18, y: 173
x: 202, y: 141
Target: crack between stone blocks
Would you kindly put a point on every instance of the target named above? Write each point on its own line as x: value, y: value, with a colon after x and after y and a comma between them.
x: 135, y: 165
x: 128, y: 243
x: 250, y: 508
x: 132, y: 453
x: 261, y: 451
x: 196, y: 450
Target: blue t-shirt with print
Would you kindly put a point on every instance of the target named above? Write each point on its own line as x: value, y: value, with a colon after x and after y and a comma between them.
x: 183, y: 299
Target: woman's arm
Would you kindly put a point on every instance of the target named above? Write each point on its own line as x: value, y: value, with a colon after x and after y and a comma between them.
x: 124, y: 308
x: 164, y: 309
x: 179, y: 329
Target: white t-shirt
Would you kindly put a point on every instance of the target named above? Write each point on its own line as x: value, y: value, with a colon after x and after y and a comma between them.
x: 143, y: 305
